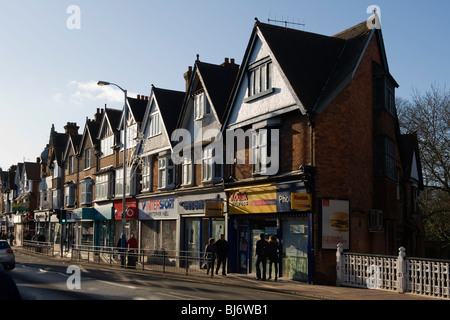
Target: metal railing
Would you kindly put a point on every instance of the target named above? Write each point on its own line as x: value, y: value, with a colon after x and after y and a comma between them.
x: 185, y: 262
x: 39, y: 247
x: 428, y: 277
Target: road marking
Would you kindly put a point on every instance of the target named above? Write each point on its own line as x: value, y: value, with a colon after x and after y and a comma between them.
x: 118, y: 284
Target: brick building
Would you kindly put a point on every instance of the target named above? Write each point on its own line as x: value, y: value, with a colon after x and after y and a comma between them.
x: 324, y: 110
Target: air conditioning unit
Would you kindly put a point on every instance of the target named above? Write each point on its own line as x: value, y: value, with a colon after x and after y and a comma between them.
x: 376, y: 221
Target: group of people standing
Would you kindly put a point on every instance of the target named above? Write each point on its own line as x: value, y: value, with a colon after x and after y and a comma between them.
x: 264, y: 250
x: 267, y: 250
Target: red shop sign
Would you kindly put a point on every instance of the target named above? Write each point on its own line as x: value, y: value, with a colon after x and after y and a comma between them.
x: 131, y: 212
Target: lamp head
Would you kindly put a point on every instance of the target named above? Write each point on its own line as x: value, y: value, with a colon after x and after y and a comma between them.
x: 103, y: 83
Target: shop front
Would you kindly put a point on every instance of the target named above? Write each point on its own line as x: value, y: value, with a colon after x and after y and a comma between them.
x: 104, y: 226
x: 42, y: 219
x: 159, y: 224
x: 280, y: 209
x: 82, y: 224
x: 202, y: 217
x: 130, y: 225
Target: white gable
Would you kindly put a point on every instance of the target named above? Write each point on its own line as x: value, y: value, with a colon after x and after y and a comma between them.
x: 280, y: 100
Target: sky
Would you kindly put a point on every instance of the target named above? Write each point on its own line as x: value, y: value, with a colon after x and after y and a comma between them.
x: 53, y: 52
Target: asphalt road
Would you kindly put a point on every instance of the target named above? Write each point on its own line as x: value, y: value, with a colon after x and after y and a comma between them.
x: 39, y: 278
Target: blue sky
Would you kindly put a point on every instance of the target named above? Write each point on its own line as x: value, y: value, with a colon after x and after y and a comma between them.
x: 48, y: 72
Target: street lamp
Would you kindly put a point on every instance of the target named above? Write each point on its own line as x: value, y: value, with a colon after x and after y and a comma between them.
x: 125, y: 117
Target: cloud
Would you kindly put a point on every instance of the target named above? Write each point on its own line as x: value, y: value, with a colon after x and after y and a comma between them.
x: 90, y: 91
x: 57, y: 97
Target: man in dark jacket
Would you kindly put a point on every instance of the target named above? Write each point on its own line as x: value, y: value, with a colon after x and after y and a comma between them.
x: 222, y: 248
x: 261, y: 252
x: 210, y: 256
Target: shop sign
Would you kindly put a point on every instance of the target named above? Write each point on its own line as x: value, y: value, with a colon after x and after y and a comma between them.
x: 300, y: 201
x: 40, y: 216
x: 335, y: 223
x: 261, y: 199
x: 131, y: 212
x: 21, y: 207
x: 213, y: 208
x: 210, y: 204
x: 269, y: 199
x: 158, y: 208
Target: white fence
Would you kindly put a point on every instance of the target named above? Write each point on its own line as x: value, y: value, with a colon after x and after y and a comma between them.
x: 395, y: 273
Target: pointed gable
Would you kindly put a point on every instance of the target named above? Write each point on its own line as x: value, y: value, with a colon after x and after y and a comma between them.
x: 308, y: 70
x: 169, y: 104
x: 110, y: 123
x: 218, y: 81
x: 164, y: 107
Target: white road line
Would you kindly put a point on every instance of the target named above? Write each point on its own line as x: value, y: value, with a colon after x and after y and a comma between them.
x: 118, y: 284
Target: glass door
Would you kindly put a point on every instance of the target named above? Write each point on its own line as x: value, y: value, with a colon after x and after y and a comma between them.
x: 244, y: 247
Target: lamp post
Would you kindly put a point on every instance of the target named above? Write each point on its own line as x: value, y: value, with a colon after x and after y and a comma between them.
x: 125, y: 117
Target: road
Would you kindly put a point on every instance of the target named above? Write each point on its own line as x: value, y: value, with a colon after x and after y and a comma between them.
x: 40, y: 278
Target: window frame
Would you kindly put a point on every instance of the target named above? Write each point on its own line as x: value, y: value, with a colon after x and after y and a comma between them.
x: 259, y: 79
x: 166, y: 173
x: 86, y: 187
x: 202, y: 107
x: 69, y: 194
x: 103, y: 182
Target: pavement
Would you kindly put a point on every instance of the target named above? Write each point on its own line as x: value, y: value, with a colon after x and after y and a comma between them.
x: 285, y: 285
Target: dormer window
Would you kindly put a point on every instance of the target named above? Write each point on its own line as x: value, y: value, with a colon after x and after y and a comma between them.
x: 259, y: 79
x: 201, y: 105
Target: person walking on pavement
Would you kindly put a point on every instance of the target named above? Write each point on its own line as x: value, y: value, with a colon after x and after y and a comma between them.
x: 132, y: 246
x: 11, y: 238
x: 210, y: 256
x: 273, y: 255
x: 222, y: 248
x: 261, y: 252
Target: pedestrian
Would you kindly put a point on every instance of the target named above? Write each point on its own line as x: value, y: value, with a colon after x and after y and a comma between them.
x: 222, y: 248
x: 210, y: 256
x: 273, y: 255
x: 11, y: 238
x: 261, y: 252
x: 132, y: 245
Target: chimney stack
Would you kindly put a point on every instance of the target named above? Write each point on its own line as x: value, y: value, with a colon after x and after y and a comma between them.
x: 98, y: 115
x: 229, y: 63
x: 71, y: 128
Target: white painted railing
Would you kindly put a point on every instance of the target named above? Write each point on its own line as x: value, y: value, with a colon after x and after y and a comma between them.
x: 395, y: 273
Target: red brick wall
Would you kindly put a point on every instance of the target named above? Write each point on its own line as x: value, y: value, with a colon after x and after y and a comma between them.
x: 343, y: 154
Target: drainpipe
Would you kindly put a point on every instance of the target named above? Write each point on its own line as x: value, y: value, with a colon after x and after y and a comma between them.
x: 311, y: 123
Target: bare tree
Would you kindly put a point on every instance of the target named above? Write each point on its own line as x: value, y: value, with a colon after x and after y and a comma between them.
x: 428, y: 115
